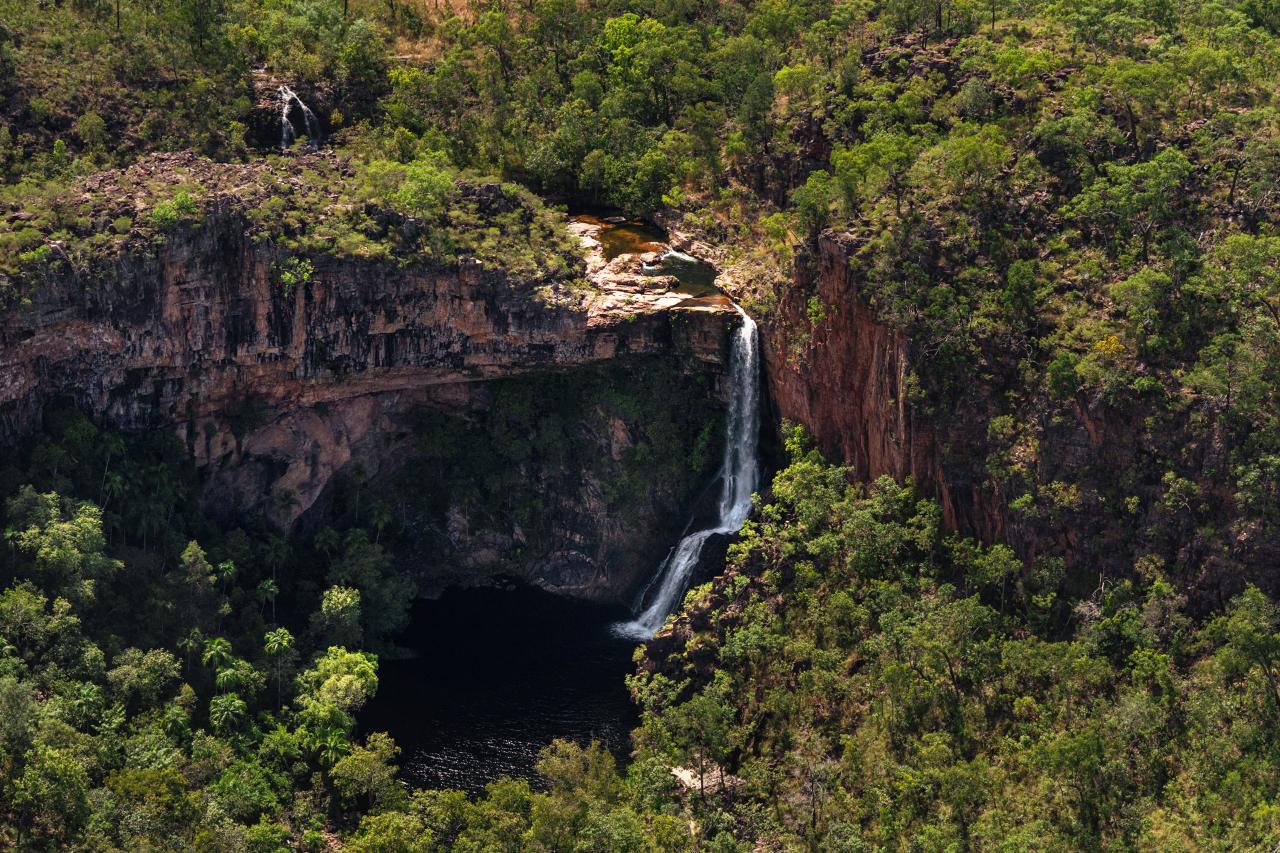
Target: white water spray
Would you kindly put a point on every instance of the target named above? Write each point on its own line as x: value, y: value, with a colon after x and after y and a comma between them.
x: 738, y: 471
x: 288, y: 133
x: 679, y: 256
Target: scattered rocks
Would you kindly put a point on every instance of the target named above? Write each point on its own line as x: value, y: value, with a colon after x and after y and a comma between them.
x: 711, y: 780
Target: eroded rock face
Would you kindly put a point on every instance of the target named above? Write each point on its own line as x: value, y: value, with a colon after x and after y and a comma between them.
x: 842, y: 377
x: 579, y: 482
x: 276, y: 389
x: 843, y: 374
x: 834, y: 367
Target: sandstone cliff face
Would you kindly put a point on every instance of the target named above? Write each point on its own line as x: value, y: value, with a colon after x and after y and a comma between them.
x: 578, y: 481
x: 276, y: 389
x: 841, y: 374
x: 833, y: 367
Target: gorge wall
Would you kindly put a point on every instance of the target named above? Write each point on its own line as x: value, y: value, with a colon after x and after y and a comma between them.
x: 1069, y: 490
x: 841, y: 374
x: 277, y: 390
x: 847, y: 377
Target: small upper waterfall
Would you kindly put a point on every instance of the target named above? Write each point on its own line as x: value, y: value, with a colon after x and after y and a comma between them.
x: 678, y: 255
x: 738, y: 472
x: 288, y: 133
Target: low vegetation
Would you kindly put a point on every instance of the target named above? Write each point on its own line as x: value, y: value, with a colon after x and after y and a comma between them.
x: 302, y: 209
x: 1066, y: 209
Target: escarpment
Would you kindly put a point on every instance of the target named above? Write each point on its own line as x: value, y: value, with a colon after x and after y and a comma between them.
x: 853, y: 381
x: 842, y: 373
x: 1078, y: 486
x: 837, y: 368
x: 286, y: 371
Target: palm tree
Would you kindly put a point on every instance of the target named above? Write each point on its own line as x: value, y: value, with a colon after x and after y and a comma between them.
x: 328, y: 541
x: 190, y: 643
x: 87, y: 701
x: 285, y: 500
x: 225, y: 710
x: 278, y: 644
x: 112, y: 445
x: 160, y: 496
x: 381, y: 516
x: 332, y: 746
x: 113, y: 486
x: 174, y: 722
x: 229, y: 677
x: 276, y: 553
x: 224, y: 572
x: 359, y: 476
x: 267, y: 591
x: 217, y: 652
x: 149, y: 522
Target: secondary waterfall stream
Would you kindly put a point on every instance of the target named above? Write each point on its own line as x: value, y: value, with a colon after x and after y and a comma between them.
x: 738, y: 474
x: 288, y: 133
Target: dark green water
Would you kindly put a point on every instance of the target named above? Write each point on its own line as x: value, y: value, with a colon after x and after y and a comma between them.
x: 498, y: 675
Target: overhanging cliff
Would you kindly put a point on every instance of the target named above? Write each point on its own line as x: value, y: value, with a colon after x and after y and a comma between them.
x: 281, y: 368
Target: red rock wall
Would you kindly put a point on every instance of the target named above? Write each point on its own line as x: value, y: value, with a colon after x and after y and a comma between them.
x: 276, y: 391
x: 843, y: 378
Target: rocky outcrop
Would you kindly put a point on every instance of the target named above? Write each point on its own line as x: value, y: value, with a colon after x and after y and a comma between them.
x: 1051, y: 492
x: 276, y: 387
x: 833, y: 367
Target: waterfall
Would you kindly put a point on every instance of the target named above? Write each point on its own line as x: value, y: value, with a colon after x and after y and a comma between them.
x: 679, y: 256
x: 738, y: 473
x: 288, y: 133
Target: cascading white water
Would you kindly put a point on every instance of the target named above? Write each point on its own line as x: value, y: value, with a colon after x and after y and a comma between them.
x: 288, y: 133
x: 738, y: 472
x: 679, y: 256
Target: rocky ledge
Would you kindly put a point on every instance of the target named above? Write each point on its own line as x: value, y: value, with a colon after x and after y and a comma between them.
x: 279, y: 367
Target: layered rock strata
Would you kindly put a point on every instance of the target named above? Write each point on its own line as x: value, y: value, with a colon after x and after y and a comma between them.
x: 277, y: 388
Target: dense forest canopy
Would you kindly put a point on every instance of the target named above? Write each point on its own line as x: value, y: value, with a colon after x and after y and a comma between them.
x: 1069, y: 208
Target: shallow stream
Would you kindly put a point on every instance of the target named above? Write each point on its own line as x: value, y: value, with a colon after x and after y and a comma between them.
x: 619, y: 236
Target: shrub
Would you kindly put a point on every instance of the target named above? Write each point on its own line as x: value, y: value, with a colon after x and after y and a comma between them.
x: 249, y: 791
x: 1063, y: 381
x: 92, y: 131
x: 293, y: 272
x: 35, y: 257
x: 166, y: 215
